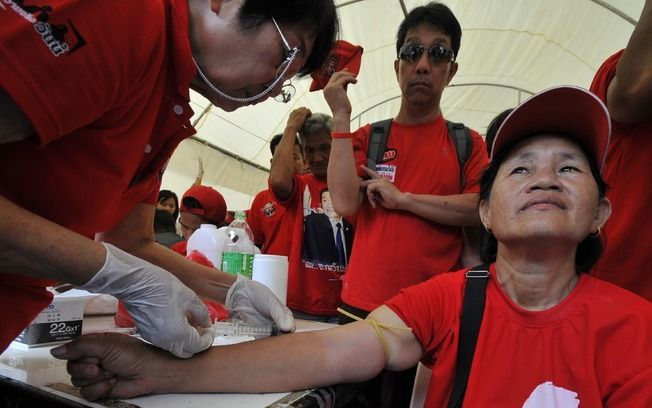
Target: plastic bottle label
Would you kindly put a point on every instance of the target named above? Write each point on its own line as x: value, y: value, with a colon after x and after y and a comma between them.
x: 237, y: 262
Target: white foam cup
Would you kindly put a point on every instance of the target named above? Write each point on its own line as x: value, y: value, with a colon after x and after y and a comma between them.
x: 272, y: 271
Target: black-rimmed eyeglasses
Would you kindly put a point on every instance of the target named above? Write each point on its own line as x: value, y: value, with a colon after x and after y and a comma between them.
x: 436, y: 53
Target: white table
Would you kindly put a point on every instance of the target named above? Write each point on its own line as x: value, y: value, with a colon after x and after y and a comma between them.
x: 37, y: 369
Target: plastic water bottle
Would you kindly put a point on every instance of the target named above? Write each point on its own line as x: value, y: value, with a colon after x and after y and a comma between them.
x: 238, y: 249
x: 209, y: 241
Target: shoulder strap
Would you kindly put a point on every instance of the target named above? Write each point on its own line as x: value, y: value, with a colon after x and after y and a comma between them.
x: 472, y: 310
x: 461, y: 136
x: 377, y: 142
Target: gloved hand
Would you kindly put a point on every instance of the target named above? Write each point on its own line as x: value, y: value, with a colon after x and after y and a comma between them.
x: 159, y: 303
x: 253, y: 302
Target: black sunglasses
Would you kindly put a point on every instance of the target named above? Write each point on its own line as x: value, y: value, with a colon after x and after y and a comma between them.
x: 436, y: 53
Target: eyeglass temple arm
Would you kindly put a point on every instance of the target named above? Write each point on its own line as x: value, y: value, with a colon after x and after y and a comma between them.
x: 285, y: 42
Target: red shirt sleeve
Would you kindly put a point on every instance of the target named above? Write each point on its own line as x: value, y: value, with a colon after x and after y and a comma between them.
x: 604, y: 75
x: 360, y: 141
x: 67, y: 73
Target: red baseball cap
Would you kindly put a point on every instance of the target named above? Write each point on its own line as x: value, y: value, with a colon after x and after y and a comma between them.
x: 214, y: 206
x: 569, y: 110
x: 343, y: 55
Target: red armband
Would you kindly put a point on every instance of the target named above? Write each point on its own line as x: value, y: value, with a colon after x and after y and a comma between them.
x: 341, y: 135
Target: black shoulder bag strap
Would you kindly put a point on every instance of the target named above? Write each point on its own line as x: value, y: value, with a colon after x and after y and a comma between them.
x: 377, y: 142
x: 461, y: 136
x: 472, y: 310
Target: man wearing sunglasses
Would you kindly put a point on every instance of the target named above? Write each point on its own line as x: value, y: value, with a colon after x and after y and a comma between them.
x: 412, y: 209
x: 94, y: 98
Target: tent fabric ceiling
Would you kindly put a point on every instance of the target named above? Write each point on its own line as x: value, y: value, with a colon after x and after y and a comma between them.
x: 510, y: 49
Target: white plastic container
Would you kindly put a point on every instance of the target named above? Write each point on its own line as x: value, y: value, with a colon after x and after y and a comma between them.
x: 272, y: 271
x: 208, y: 240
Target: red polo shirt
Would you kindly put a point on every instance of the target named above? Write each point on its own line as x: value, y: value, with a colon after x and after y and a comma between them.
x: 106, y: 86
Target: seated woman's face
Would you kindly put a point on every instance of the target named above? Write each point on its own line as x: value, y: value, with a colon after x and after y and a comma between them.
x: 544, y: 189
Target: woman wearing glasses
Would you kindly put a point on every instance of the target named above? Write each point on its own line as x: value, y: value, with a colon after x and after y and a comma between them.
x: 94, y: 98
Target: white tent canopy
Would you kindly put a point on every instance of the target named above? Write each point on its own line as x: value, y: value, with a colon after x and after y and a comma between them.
x: 510, y: 49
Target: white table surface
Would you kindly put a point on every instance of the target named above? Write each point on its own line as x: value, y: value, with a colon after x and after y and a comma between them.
x: 36, y: 367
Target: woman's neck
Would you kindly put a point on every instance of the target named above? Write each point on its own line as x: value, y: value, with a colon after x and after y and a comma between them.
x: 536, y: 284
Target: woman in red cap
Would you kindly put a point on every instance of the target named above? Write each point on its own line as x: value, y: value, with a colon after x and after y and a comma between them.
x: 550, y: 334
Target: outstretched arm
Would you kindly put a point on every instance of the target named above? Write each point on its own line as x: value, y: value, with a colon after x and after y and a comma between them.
x: 343, y: 180
x: 629, y: 96
x: 252, y: 301
x: 135, y: 234
x: 116, y: 366
x: 34, y: 246
x: 47, y: 250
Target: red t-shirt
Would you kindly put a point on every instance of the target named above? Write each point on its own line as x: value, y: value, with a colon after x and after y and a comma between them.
x: 592, y: 349
x: 314, y: 286
x: 397, y: 249
x: 627, y: 234
x: 271, y: 227
x: 106, y: 86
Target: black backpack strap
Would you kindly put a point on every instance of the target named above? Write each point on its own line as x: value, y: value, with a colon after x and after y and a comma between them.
x: 472, y: 310
x: 461, y: 136
x: 377, y: 142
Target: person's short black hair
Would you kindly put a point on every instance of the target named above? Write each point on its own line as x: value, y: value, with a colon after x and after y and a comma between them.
x: 164, y: 195
x: 493, y: 127
x: 276, y: 139
x: 588, y: 251
x: 318, y: 15
x: 438, y: 16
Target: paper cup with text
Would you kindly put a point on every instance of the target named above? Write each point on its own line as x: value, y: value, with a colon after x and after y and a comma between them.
x: 272, y: 271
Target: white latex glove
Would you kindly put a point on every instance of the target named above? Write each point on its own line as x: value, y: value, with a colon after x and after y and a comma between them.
x: 253, y: 302
x: 159, y: 303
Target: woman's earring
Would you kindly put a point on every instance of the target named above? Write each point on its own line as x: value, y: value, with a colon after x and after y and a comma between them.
x: 595, y: 234
x: 487, y: 228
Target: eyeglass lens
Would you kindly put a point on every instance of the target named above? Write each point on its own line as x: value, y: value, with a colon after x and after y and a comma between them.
x: 436, y: 53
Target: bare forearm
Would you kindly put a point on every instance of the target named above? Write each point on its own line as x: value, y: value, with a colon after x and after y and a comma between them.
x: 31, y: 245
x: 454, y: 210
x: 630, y: 92
x: 343, y: 180
x: 281, y: 174
x: 285, y: 363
